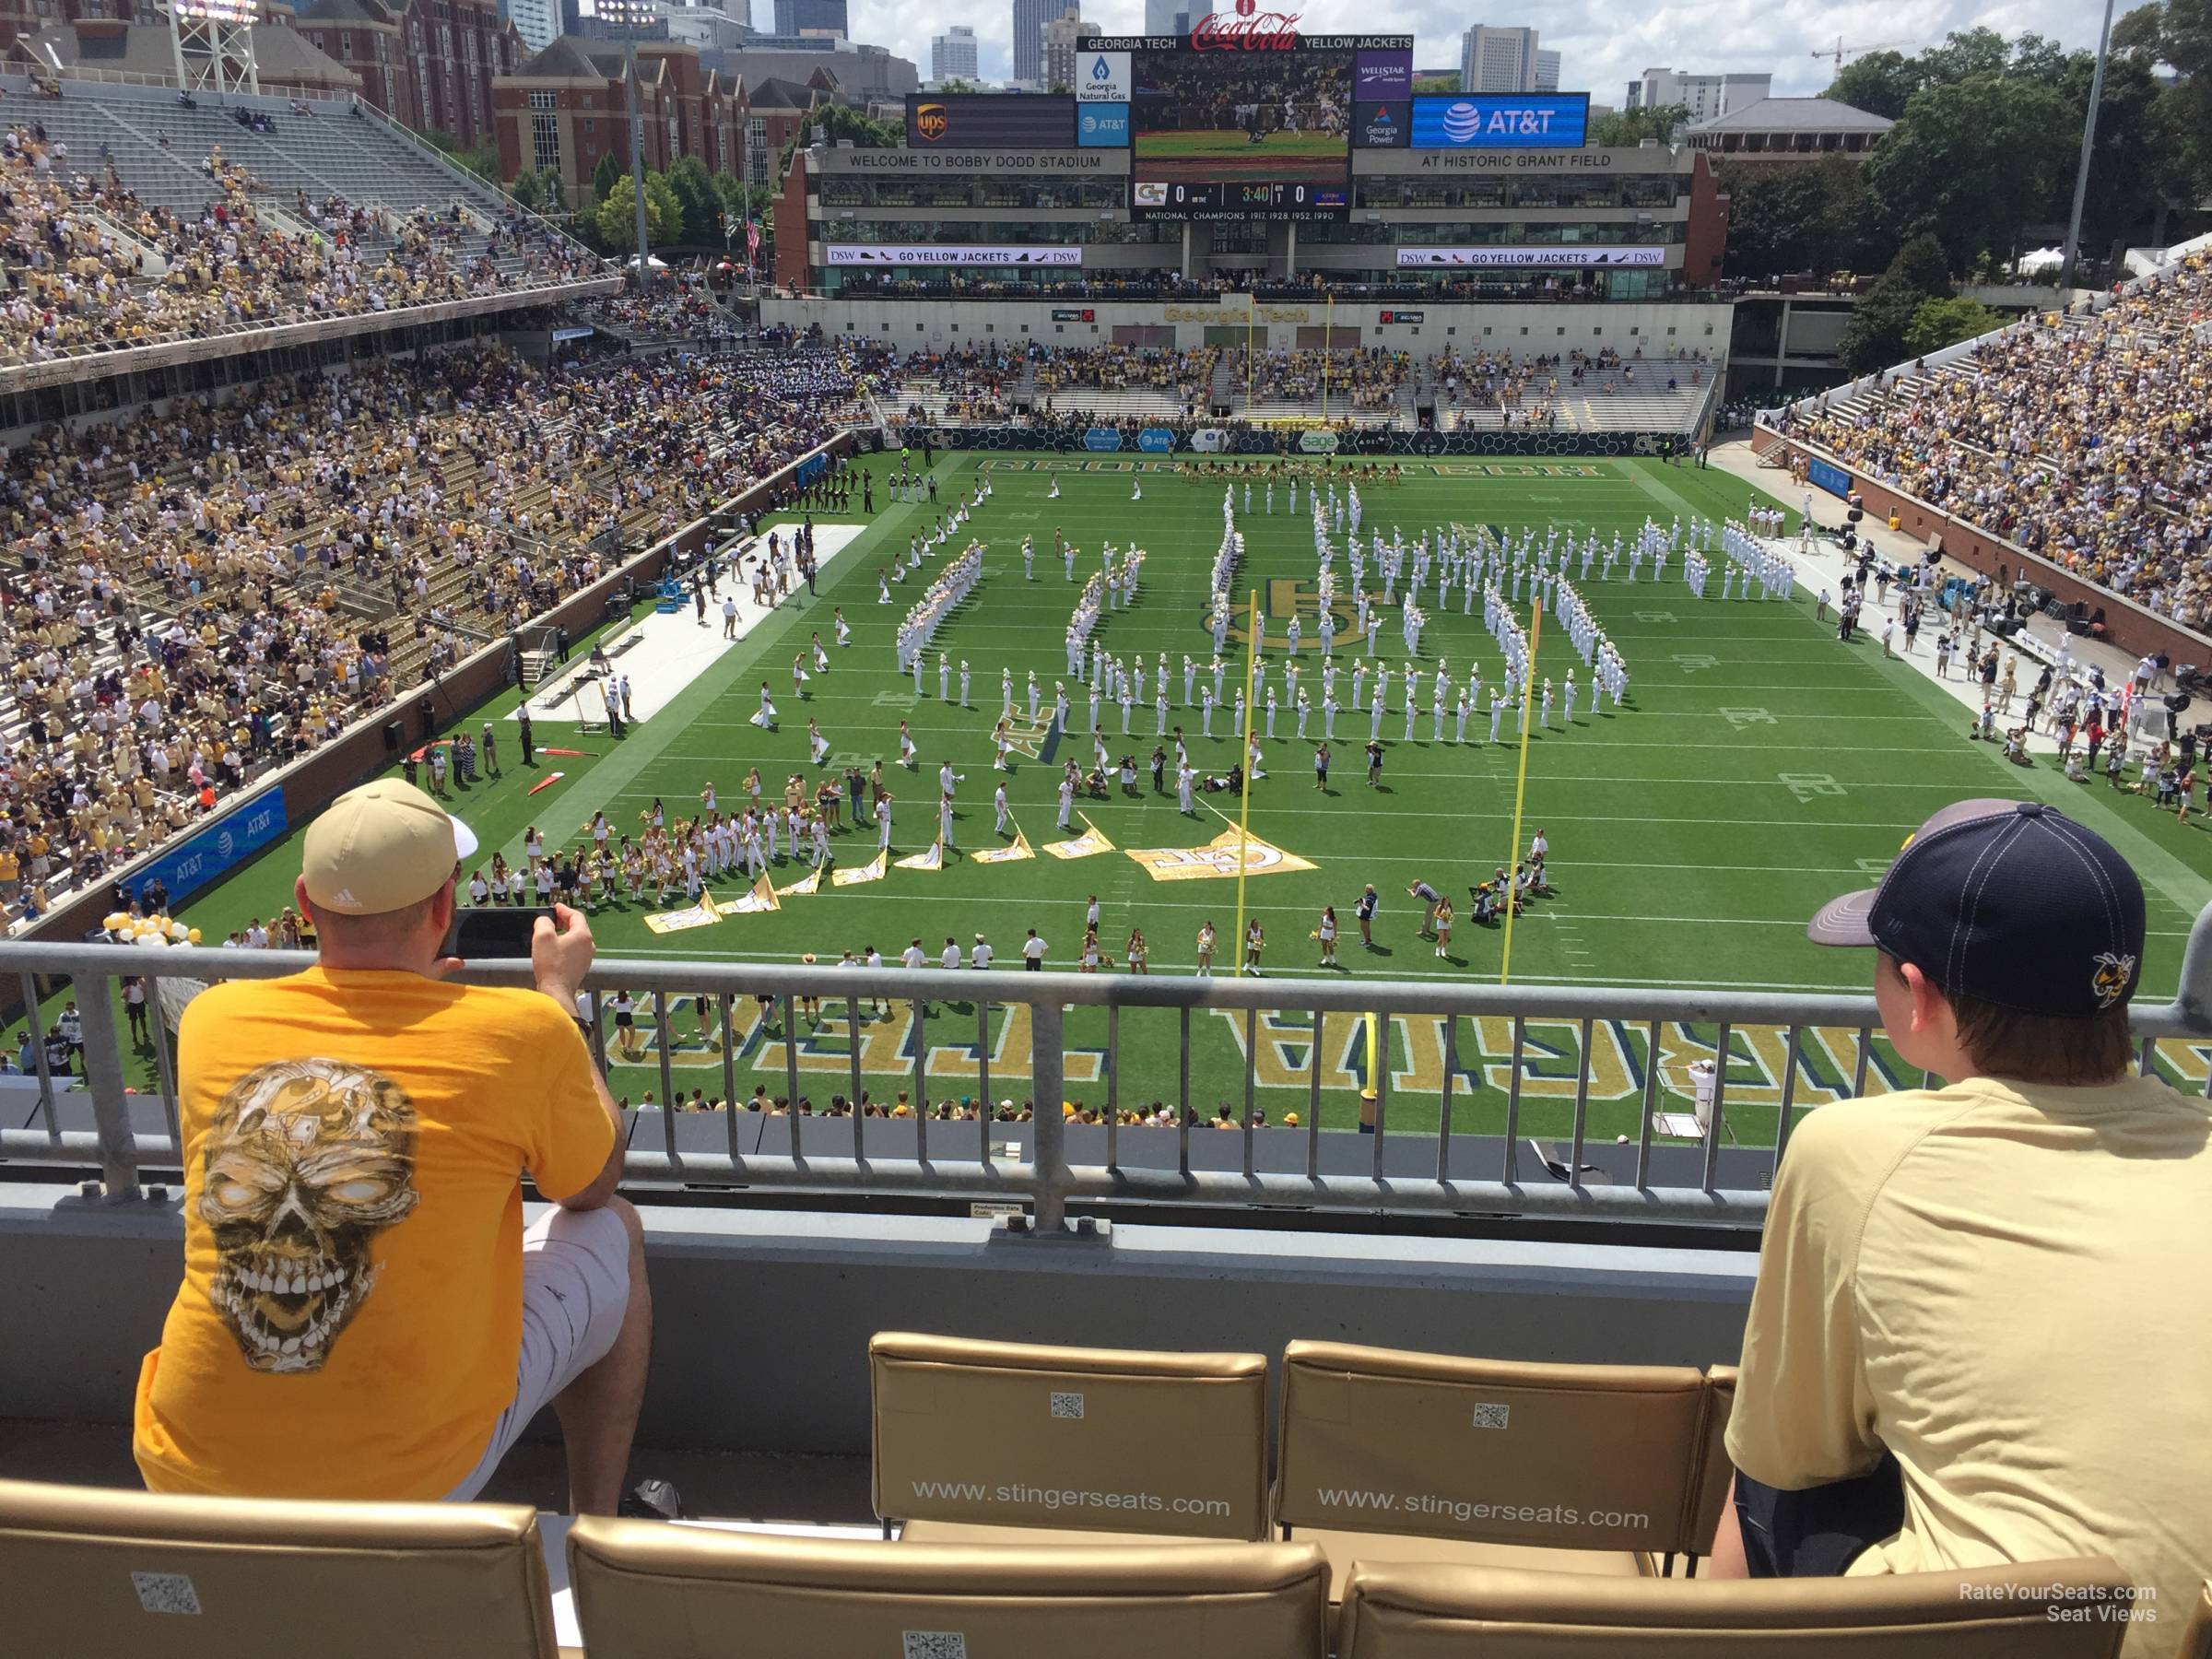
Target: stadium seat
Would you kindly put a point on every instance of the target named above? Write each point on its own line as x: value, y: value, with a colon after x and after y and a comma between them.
x: 1395, y: 1610
x: 125, y: 1574
x: 983, y: 1440
x: 2196, y: 1640
x: 646, y: 1590
x: 1593, y: 1469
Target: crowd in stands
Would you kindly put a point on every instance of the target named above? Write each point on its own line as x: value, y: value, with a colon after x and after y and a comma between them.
x: 2082, y: 438
x: 91, y: 267
x: 662, y: 312
x: 976, y: 382
x: 1187, y: 375
x: 1368, y: 378
x: 197, y: 596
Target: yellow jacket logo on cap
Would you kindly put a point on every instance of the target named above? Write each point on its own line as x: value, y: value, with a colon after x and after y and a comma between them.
x: 2109, y: 977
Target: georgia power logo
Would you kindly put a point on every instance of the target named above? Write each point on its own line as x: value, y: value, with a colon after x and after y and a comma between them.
x: 931, y: 121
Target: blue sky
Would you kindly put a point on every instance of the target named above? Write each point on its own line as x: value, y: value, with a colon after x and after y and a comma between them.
x: 1604, y: 43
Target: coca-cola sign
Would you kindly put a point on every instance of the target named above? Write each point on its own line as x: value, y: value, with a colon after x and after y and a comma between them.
x: 1247, y: 31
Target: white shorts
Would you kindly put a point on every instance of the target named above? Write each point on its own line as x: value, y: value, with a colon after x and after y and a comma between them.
x: 575, y: 1291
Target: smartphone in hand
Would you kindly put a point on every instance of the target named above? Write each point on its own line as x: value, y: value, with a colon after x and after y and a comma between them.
x: 500, y: 931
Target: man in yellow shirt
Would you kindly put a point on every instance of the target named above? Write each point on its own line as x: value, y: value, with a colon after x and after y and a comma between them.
x: 363, y: 1314
x: 1982, y: 1324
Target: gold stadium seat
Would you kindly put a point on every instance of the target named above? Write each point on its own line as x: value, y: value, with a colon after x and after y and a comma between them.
x: 1594, y: 1469
x: 981, y: 1441
x: 1394, y: 1610
x: 122, y: 1574
x: 647, y: 1590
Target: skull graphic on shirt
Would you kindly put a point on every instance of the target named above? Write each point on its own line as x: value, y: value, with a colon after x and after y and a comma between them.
x: 307, y: 1161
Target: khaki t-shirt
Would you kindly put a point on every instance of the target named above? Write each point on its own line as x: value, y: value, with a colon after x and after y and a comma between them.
x: 352, y: 1305
x: 2010, y: 1288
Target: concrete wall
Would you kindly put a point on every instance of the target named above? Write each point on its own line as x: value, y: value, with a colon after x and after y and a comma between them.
x: 762, y: 1318
x: 1524, y: 328
x: 2127, y: 624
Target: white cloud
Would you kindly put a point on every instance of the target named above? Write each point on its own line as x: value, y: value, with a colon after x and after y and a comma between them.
x: 1605, y: 42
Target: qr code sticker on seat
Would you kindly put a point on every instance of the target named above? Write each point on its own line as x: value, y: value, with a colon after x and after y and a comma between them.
x: 936, y: 1644
x: 165, y: 1593
x: 1491, y: 1417
x: 1068, y: 1406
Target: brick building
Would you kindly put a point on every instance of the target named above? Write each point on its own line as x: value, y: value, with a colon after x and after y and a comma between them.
x: 429, y: 63
x: 564, y: 109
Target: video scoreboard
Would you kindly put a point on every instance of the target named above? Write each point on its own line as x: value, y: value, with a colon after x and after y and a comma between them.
x: 1243, y: 118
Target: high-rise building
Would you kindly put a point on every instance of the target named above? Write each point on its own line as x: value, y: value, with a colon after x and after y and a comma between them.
x: 1029, y: 18
x: 1547, y: 72
x: 952, y: 54
x: 1706, y: 96
x: 538, y: 21
x: 1497, y: 60
x: 1064, y: 38
x: 1175, y: 17
x: 812, y: 17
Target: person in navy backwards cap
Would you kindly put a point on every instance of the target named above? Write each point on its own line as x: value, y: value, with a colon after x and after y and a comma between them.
x: 1982, y: 1324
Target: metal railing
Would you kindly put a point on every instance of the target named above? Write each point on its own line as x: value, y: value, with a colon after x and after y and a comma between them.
x: 1712, y: 1179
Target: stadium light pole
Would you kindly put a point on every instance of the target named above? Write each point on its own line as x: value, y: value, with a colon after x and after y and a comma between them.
x: 632, y: 17
x: 2089, y: 143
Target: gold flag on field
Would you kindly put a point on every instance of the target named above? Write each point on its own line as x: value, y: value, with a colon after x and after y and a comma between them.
x: 932, y: 860
x: 1088, y: 844
x: 1216, y: 858
x: 871, y: 871
x: 1019, y: 849
x: 761, y: 898
x: 811, y: 883
x: 705, y: 913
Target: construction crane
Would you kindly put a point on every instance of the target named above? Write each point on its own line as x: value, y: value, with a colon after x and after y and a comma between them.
x: 1839, y: 52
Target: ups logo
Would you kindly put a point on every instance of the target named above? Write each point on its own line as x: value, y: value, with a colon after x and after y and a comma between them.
x: 931, y: 121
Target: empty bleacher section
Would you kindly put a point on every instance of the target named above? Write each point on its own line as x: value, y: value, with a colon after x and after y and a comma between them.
x: 134, y: 222
x: 2078, y: 437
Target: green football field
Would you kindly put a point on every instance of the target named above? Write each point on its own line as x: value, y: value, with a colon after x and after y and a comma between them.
x: 1757, y: 768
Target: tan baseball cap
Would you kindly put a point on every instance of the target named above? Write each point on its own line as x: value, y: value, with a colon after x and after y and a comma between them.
x: 380, y: 847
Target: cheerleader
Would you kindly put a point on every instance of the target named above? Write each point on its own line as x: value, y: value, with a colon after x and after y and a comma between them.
x: 799, y: 676
x: 845, y: 629
x: 1090, y: 952
x: 752, y: 787
x: 766, y: 718
x: 1326, y: 934
x: 534, y: 846
x: 514, y: 884
x: 499, y: 879
x: 1004, y: 744
x: 1444, y: 927
x: 1255, y: 941
x: 906, y: 747
x: 821, y: 657
x: 479, y: 889
x: 1140, y: 954
x: 817, y: 745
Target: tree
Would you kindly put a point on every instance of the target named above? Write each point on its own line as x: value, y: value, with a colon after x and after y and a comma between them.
x: 1973, y: 163
x: 2178, y: 34
x: 618, y: 214
x: 483, y: 159
x: 1784, y: 220
x: 1875, y: 338
x: 1435, y: 86
x: 1624, y: 129
x: 527, y: 190
x: 604, y: 176
x: 700, y: 217
x: 834, y: 122
x: 1881, y: 83
x: 1939, y: 322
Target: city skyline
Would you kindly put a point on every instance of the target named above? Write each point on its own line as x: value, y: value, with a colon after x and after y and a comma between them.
x: 1603, y: 46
